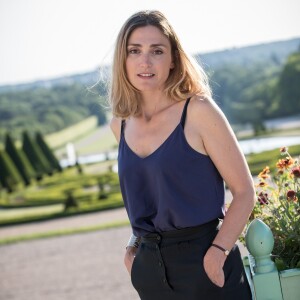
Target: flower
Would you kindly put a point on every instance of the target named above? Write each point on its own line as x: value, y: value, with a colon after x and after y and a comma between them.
x: 283, y: 150
x: 291, y: 195
x: 296, y: 172
x: 262, y: 184
x: 284, y: 163
x: 278, y: 206
x: 263, y: 198
x: 264, y: 174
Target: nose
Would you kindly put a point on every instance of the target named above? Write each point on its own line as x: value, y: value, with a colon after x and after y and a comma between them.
x: 145, y: 60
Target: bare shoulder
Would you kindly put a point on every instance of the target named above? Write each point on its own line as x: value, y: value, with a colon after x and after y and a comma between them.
x: 115, y: 125
x: 205, y: 112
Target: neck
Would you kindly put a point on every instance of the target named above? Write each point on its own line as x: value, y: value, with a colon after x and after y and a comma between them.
x: 152, y: 105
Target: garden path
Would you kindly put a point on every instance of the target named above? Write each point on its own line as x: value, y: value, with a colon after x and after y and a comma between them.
x: 79, y: 267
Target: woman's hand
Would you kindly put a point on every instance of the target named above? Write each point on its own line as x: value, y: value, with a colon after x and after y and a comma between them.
x: 129, y: 257
x: 213, y: 265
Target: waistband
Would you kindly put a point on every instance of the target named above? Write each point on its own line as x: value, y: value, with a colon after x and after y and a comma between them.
x: 183, y: 234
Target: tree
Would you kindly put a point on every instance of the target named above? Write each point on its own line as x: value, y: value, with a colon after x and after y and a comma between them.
x: 47, y: 152
x: 9, y: 175
x: 19, y: 159
x: 288, y: 86
x: 70, y: 201
x: 35, y: 156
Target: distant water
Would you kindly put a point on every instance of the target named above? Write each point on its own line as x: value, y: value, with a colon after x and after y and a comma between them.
x: 254, y: 145
x: 257, y: 145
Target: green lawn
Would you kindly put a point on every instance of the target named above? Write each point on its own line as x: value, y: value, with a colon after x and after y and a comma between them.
x: 54, y: 233
x: 47, y: 199
x: 106, y: 142
x: 72, y: 133
x: 30, y: 212
x: 259, y: 161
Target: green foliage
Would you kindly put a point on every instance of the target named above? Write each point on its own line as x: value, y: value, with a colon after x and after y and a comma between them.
x: 55, y: 233
x: 35, y: 156
x: 9, y: 175
x: 47, y: 152
x: 71, y: 133
x: 19, y: 159
x: 256, y: 83
x: 104, y: 185
x: 260, y: 91
x: 48, y: 109
x: 246, y: 95
x: 259, y: 161
x: 52, y: 190
x: 274, y: 53
x: 70, y: 201
x: 278, y: 206
x: 289, y: 85
x: 77, y: 193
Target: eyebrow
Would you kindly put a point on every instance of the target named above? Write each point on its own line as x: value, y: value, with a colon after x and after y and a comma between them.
x: 151, y: 46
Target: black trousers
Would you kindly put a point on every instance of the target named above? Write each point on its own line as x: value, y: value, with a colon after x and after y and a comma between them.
x: 169, y: 266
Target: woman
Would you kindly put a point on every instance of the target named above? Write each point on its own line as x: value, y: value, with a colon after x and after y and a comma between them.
x: 176, y: 149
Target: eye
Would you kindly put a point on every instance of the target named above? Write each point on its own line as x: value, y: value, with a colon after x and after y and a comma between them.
x: 133, y: 51
x: 158, y: 52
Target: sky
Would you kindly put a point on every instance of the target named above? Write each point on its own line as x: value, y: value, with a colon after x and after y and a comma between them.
x: 44, y: 39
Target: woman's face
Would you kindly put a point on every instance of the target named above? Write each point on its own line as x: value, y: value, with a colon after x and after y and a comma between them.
x: 149, y: 59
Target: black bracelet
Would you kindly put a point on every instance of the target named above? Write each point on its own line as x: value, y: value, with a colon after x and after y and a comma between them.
x: 226, y: 252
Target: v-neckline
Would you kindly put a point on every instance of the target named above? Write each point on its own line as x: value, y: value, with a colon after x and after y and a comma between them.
x: 157, y: 149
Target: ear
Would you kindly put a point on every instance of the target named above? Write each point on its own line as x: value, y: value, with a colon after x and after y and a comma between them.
x: 172, y: 66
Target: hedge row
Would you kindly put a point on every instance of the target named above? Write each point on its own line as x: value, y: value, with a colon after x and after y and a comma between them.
x: 21, y: 165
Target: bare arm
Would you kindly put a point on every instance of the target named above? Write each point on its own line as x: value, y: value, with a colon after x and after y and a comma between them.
x: 115, y: 125
x: 221, y: 145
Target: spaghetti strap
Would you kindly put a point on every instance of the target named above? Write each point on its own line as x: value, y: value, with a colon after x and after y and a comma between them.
x: 183, y: 116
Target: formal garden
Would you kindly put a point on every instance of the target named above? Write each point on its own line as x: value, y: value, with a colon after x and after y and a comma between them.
x: 35, y: 187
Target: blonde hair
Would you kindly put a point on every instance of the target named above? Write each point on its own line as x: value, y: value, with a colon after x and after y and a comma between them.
x: 186, y: 79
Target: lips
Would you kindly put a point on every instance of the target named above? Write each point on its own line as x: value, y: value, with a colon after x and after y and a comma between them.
x: 146, y: 75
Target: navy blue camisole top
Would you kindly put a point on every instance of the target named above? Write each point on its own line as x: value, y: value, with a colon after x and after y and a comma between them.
x: 174, y: 187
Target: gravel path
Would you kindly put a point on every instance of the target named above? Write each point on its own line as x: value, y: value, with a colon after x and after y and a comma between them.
x: 91, y: 219
x: 79, y: 267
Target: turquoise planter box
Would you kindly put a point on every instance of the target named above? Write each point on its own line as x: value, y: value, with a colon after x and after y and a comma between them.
x: 290, y: 284
x: 265, y: 281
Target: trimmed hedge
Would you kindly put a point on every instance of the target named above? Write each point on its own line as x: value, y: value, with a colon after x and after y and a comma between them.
x: 47, y: 152
x: 36, y: 157
x: 9, y: 175
x: 19, y: 159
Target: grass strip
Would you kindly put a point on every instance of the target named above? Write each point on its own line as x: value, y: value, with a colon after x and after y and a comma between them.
x: 63, y: 232
x: 59, y: 215
x: 269, y: 158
